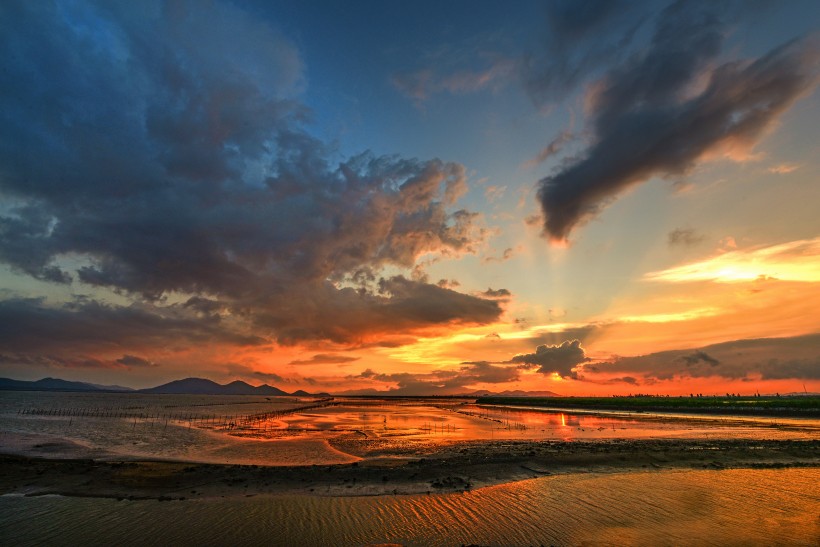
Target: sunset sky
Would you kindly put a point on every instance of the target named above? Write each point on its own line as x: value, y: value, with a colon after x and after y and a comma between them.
x: 595, y: 197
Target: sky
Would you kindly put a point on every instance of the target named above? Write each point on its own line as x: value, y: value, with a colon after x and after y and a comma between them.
x: 588, y: 198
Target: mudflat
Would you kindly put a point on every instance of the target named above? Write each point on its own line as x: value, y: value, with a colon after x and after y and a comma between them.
x: 410, y: 469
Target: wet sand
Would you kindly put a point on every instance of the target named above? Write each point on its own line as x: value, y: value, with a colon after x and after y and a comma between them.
x: 408, y: 469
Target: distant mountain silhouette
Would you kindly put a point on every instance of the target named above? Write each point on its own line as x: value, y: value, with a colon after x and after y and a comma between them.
x: 192, y: 386
x: 201, y: 386
x: 55, y: 384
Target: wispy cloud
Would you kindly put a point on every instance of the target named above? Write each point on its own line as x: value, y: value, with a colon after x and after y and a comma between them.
x: 784, y: 168
x: 325, y: 359
x: 422, y: 84
x: 554, y: 147
x: 686, y: 237
x: 792, y: 261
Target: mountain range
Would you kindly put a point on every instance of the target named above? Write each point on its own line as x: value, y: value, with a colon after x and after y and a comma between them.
x: 193, y: 386
x: 55, y: 384
x: 202, y: 386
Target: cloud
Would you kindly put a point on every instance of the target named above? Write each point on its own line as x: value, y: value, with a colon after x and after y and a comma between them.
x: 444, y: 381
x: 557, y: 313
x: 422, y: 84
x: 554, y: 147
x: 172, y: 163
x: 496, y: 293
x: 58, y: 361
x: 558, y: 359
x: 134, y: 361
x: 508, y: 253
x: 494, y: 193
x: 661, y: 111
x: 764, y: 358
x: 358, y: 318
x: 244, y: 371
x: 699, y: 357
x: 270, y: 376
x: 31, y: 325
x: 579, y: 38
x: 626, y: 380
x: 791, y: 261
x: 783, y: 168
x: 686, y: 237
x: 326, y: 358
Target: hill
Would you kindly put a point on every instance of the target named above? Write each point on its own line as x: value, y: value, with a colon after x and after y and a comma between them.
x: 55, y: 384
x: 201, y: 386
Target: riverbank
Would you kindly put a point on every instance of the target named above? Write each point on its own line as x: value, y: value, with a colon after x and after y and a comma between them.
x: 803, y: 406
x: 444, y: 468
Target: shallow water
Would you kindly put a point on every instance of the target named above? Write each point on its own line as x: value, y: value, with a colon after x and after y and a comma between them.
x: 215, y: 429
x: 734, y: 507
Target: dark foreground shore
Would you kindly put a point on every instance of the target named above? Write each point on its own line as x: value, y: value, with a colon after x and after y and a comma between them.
x: 455, y: 467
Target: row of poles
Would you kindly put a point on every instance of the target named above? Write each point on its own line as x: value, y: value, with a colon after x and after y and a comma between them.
x: 225, y: 421
x: 486, y: 416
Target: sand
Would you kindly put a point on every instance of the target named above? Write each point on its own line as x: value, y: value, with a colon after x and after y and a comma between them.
x: 452, y: 467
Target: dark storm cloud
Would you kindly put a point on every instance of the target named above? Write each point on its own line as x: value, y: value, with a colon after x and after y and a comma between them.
x: 558, y: 359
x: 765, y: 358
x: 160, y: 147
x: 649, y: 117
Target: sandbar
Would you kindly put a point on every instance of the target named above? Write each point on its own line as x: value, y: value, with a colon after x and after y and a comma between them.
x: 439, y: 468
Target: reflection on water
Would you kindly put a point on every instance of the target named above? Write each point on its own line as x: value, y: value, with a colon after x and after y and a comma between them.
x: 736, y: 507
x: 293, y: 431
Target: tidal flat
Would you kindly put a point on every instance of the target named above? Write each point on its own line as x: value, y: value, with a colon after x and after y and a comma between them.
x: 414, y: 472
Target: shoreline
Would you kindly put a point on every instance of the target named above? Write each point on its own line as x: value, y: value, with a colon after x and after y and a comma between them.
x: 454, y: 467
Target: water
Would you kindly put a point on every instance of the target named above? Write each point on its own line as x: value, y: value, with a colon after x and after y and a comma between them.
x: 734, y: 507
x: 211, y: 429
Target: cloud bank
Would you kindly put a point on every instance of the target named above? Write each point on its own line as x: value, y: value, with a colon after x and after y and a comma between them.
x: 750, y: 360
x: 158, y: 151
